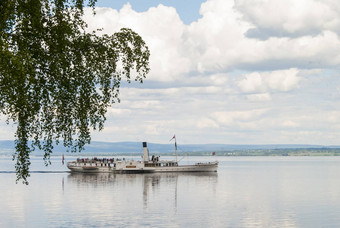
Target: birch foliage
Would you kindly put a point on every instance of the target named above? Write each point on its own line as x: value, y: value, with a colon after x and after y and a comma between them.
x: 57, y: 80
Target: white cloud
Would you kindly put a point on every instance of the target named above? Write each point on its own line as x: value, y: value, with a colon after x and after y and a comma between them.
x: 259, y: 97
x: 281, y: 80
x: 160, y: 27
x: 117, y: 111
x: 144, y: 104
x: 229, y: 118
x: 290, y: 17
x: 207, y: 123
x: 289, y: 123
x: 217, y: 42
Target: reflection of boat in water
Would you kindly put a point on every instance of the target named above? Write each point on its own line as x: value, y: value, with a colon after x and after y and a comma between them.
x: 145, y: 166
x: 92, y: 178
x: 153, y: 191
x: 166, y: 177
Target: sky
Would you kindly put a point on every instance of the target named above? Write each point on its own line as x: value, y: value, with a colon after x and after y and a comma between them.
x: 228, y: 71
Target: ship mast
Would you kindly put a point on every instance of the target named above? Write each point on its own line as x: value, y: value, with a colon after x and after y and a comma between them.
x: 174, y: 137
x: 176, y: 149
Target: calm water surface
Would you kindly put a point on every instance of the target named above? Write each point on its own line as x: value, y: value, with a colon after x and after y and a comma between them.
x: 245, y: 192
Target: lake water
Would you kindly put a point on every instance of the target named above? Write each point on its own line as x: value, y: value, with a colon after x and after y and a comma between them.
x: 245, y: 192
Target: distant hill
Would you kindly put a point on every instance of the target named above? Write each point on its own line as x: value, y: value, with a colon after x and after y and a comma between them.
x: 106, y: 148
x: 6, y: 147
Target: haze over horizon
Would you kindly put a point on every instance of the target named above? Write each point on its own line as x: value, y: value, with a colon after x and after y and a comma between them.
x: 227, y: 72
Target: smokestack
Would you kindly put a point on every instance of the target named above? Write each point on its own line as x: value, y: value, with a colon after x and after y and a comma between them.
x: 146, y: 152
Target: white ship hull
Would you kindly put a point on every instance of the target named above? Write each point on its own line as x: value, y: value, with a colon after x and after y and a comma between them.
x: 132, y: 168
x: 203, y: 167
x: 88, y: 168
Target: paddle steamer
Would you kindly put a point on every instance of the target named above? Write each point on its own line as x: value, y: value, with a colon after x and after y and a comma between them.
x: 146, y: 165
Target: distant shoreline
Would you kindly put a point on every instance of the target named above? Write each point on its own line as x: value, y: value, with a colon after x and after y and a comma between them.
x: 135, y: 149
x: 235, y: 153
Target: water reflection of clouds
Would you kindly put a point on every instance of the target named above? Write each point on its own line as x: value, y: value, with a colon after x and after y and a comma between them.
x: 252, y: 196
x: 280, y: 192
x: 31, y: 204
x: 12, y: 202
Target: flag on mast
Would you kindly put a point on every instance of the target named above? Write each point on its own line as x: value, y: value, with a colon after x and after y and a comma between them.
x: 174, y: 137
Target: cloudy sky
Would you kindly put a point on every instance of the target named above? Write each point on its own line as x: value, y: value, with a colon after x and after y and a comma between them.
x: 229, y: 71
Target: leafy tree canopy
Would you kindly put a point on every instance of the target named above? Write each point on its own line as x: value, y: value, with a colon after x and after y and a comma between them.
x: 57, y: 80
